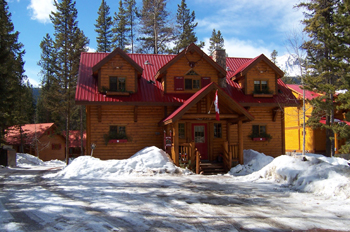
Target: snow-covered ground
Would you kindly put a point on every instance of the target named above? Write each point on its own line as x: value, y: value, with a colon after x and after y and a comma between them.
x: 148, y: 192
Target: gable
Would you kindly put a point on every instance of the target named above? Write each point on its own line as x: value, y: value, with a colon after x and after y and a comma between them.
x: 117, y: 74
x: 236, y: 110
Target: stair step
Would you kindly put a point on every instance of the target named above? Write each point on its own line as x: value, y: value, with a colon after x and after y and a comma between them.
x: 212, y: 168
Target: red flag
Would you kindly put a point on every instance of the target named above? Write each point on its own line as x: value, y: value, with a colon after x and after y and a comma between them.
x: 216, y: 103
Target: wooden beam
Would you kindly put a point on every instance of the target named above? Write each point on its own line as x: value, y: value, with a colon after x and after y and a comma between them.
x: 165, y: 111
x: 175, y: 147
x: 209, y: 116
x: 135, y: 113
x: 208, y: 103
x: 99, y: 113
x: 274, y: 113
x: 199, y: 107
x: 240, y: 142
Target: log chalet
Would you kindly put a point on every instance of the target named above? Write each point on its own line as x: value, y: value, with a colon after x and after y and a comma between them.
x: 138, y: 100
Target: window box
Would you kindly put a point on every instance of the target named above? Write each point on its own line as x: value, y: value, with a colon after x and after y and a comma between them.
x: 262, y: 95
x: 112, y: 93
x: 259, y: 139
x: 118, y: 141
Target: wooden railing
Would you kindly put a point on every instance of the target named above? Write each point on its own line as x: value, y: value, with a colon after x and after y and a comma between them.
x: 230, y: 155
x: 189, y: 156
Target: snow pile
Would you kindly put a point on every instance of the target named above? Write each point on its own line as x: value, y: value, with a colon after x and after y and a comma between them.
x: 253, y: 161
x: 150, y: 160
x: 27, y: 160
x: 317, y: 174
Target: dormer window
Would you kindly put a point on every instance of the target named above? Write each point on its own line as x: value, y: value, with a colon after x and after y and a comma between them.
x: 191, y: 84
x: 261, y: 87
x: 117, y: 84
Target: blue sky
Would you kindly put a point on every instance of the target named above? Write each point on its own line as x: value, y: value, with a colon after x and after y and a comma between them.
x: 249, y: 27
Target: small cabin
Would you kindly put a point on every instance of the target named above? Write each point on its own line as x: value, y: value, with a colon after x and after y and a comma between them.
x: 40, y: 140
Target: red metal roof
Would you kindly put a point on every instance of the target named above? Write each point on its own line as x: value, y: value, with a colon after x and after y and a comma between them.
x: 309, y: 95
x: 151, y: 91
x: 74, y: 138
x: 30, y: 131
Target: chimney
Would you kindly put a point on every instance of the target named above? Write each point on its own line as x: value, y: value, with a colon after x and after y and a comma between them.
x: 219, y: 56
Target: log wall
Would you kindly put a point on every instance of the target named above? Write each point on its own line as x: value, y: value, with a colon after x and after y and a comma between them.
x: 261, y: 72
x: 181, y: 68
x: 125, y: 69
x: 142, y: 133
x: 263, y: 116
x: 45, y: 147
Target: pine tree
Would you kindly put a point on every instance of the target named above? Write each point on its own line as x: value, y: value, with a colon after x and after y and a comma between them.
x: 185, y: 26
x: 12, y: 78
x: 46, y: 110
x: 156, y: 33
x: 131, y: 21
x: 103, y: 28
x: 70, y: 41
x: 120, y: 29
x: 342, y: 22
x: 274, y: 55
x: 323, y: 65
x: 216, y: 41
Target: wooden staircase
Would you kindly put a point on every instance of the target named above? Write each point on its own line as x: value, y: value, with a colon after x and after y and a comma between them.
x: 208, y: 168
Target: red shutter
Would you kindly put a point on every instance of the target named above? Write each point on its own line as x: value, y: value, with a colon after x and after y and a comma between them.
x: 205, y: 81
x: 178, y: 83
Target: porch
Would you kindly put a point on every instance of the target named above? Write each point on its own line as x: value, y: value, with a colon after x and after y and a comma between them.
x: 195, y: 130
x: 190, y: 157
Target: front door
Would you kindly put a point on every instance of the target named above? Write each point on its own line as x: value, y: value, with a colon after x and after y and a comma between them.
x: 199, y: 135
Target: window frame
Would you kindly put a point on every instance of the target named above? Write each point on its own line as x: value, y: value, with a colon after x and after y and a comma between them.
x: 116, y: 85
x: 182, y: 131
x: 261, y: 90
x: 217, y: 130
x: 259, y: 126
x: 117, y: 129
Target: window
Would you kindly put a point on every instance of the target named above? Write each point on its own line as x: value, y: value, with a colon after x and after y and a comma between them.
x: 56, y: 146
x: 117, y: 84
x: 259, y: 131
x: 261, y: 87
x: 217, y: 130
x: 191, y: 84
x: 181, y: 130
x: 117, y: 132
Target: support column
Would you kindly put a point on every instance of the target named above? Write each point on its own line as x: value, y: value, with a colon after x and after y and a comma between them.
x: 240, y: 142
x: 175, y: 147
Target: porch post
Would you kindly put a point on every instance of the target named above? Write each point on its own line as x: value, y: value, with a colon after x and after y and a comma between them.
x: 175, y: 147
x: 240, y: 142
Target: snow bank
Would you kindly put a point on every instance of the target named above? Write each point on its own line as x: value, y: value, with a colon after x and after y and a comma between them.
x: 27, y: 160
x: 150, y: 160
x: 316, y: 174
x: 253, y: 161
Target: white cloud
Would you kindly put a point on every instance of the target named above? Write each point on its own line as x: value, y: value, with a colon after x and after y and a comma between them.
x: 41, y: 9
x: 90, y: 49
x: 245, y: 49
x: 238, y: 17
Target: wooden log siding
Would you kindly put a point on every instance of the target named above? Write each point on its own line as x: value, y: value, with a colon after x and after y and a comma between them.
x: 181, y: 68
x: 263, y: 116
x: 261, y: 72
x: 143, y: 133
x: 124, y: 69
